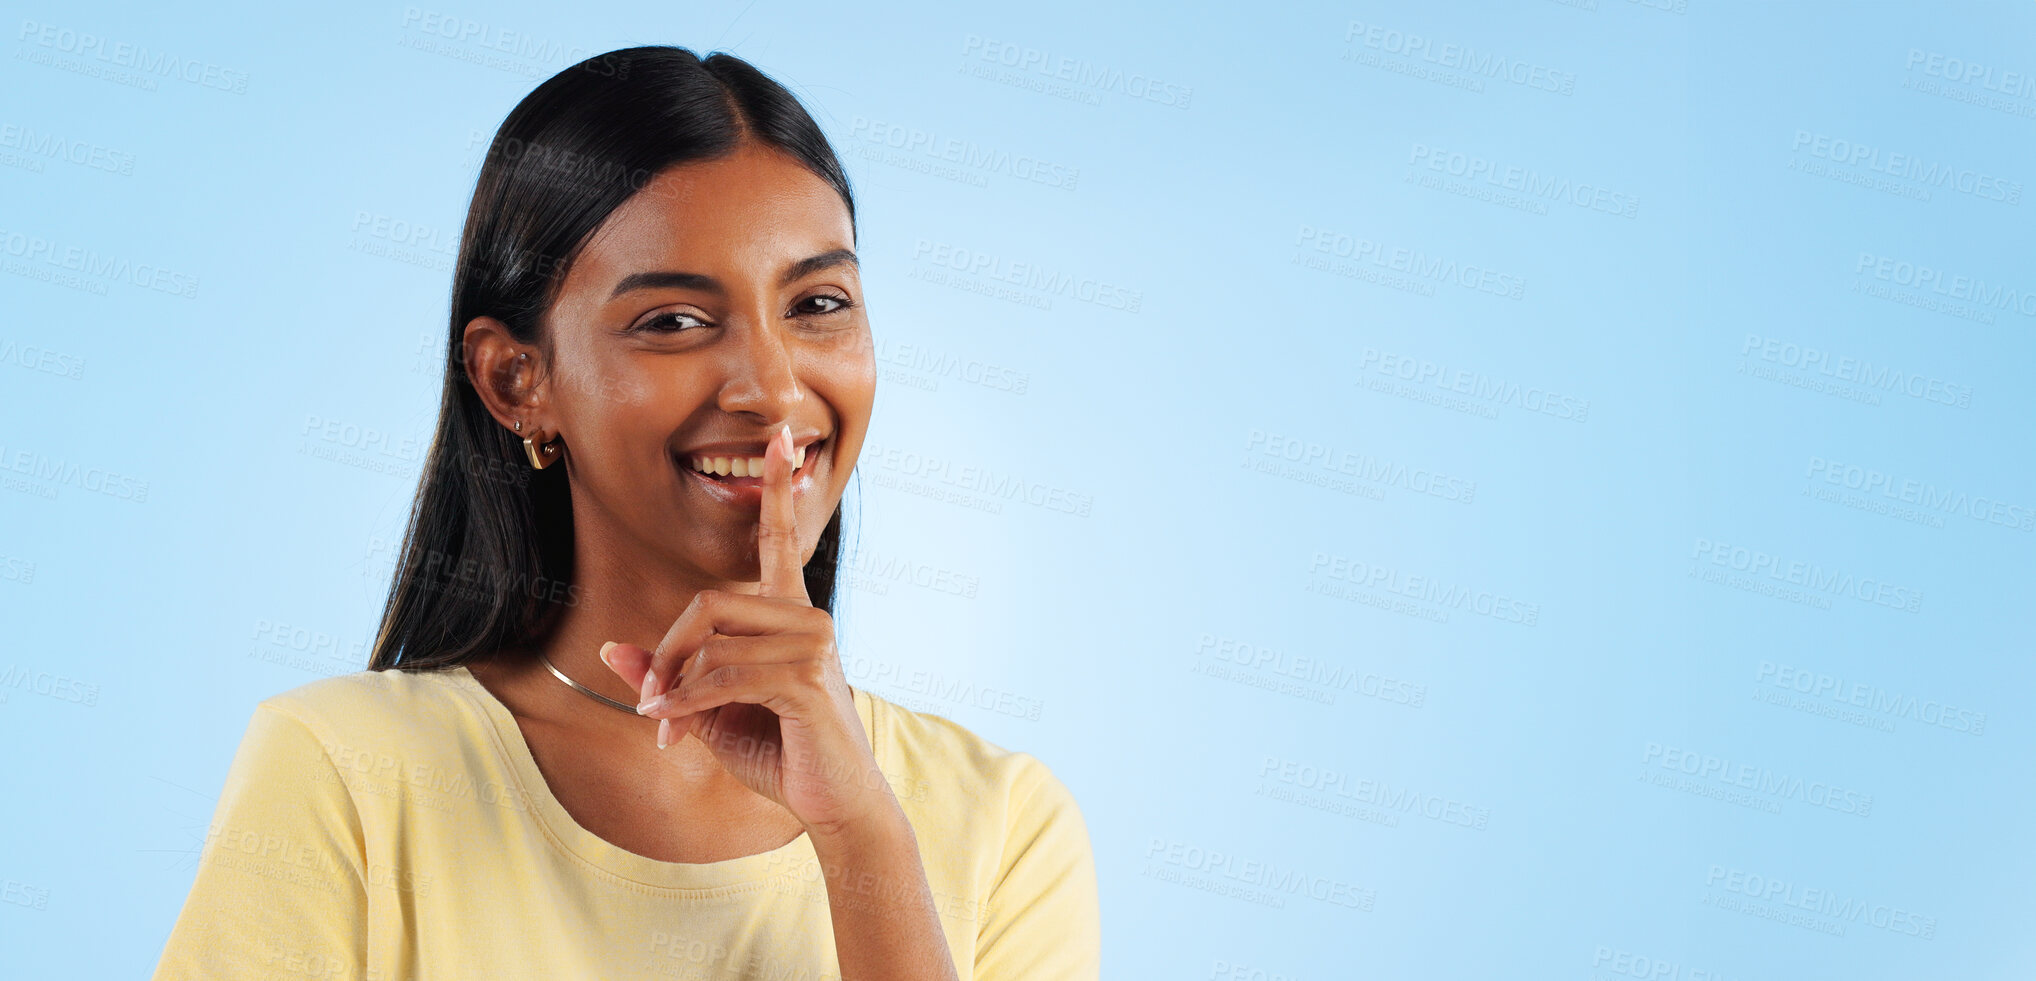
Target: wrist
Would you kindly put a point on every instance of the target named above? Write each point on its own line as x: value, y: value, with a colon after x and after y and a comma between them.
x: 885, y: 826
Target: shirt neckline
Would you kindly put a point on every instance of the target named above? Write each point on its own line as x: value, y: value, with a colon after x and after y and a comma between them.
x: 591, y: 849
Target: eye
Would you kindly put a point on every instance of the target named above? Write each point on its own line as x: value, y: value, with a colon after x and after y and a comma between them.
x: 668, y: 322
x: 840, y: 304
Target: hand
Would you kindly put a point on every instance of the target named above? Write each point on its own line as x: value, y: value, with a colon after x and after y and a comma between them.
x: 757, y: 679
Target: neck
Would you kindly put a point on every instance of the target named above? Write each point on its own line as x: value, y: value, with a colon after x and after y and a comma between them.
x: 617, y: 594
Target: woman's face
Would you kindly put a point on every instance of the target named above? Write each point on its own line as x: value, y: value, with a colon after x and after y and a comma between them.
x: 719, y: 303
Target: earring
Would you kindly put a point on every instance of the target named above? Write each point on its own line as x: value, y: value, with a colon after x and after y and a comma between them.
x: 540, y: 456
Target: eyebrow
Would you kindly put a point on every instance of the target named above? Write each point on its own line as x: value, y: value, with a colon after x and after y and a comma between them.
x: 702, y: 281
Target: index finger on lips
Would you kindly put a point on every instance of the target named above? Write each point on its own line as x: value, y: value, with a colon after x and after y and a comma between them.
x: 777, y: 529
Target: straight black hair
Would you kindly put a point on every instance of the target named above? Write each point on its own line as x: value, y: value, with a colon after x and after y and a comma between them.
x: 486, y: 560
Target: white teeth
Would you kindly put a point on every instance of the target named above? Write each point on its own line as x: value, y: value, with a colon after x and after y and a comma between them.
x: 740, y: 466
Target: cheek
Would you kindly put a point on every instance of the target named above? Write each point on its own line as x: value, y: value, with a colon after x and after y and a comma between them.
x: 841, y: 370
x: 625, y: 406
x: 850, y: 382
x: 850, y: 396
x: 616, y: 383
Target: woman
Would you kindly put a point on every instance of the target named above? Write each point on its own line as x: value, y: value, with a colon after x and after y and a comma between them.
x: 605, y: 732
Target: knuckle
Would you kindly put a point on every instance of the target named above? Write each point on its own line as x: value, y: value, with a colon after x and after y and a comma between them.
x: 661, y: 659
x: 704, y: 601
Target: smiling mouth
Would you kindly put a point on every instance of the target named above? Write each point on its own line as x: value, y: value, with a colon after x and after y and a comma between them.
x: 743, y: 473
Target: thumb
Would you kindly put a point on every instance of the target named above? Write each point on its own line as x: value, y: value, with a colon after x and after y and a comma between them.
x: 628, y: 661
x: 632, y: 663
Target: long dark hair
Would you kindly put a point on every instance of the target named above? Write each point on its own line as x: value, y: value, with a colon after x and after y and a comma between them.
x: 486, y: 560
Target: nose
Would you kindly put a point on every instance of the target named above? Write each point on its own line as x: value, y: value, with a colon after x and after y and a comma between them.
x: 761, y: 375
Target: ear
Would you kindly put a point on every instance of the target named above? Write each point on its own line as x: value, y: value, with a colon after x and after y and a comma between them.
x: 511, y: 387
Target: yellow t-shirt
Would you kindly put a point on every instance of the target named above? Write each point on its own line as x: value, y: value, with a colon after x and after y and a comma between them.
x: 390, y: 825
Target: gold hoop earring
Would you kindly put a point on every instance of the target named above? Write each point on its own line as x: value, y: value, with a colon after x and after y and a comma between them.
x: 540, y: 456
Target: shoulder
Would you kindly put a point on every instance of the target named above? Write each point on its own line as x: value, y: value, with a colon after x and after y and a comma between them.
x: 370, y: 705
x: 933, y: 760
x: 1008, y: 854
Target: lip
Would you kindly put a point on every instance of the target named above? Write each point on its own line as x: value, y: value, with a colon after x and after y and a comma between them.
x: 739, y: 448
x: 746, y: 492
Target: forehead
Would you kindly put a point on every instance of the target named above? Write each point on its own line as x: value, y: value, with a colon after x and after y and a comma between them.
x: 747, y: 213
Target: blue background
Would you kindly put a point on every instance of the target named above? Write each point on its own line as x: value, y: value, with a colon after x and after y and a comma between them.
x: 1431, y: 499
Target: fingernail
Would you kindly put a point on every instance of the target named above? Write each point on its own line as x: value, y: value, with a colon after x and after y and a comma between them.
x: 663, y: 726
x: 650, y: 704
x: 605, y: 648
